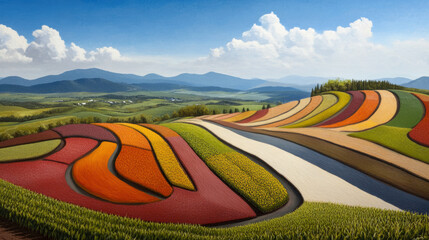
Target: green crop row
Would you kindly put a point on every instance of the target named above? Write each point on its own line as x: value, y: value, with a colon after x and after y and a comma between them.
x: 395, y: 138
x: 27, y: 151
x: 59, y: 220
x: 252, y: 181
x: 329, y: 107
x: 394, y: 134
x: 410, y: 112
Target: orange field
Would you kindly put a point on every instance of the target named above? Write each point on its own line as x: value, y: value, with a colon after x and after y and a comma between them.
x: 368, y: 107
x: 127, y: 135
x: 139, y: 166
x: 92, y: 174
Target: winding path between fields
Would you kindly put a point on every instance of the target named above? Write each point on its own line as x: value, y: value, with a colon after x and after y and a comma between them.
x: 317, y: 177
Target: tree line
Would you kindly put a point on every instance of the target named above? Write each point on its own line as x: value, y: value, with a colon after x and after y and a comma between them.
x: 352, y: 85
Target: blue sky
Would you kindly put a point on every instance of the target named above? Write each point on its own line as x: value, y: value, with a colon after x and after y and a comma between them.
x: 180, y: 30
x: 192, y: 27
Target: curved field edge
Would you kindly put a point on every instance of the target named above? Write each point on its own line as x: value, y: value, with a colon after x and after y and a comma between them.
x: 251, y: 180
x: 34, y: 211
x: 395, y: 138
x: 377, y: 167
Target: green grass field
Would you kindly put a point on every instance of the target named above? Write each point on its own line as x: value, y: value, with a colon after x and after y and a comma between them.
x: 55, y: 109
x: 60, y: 220
x: 394, y: 134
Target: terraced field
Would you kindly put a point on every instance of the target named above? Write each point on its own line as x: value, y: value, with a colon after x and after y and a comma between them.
x: 361, y: 154
x: 143, y: 171
x: 391, y: 124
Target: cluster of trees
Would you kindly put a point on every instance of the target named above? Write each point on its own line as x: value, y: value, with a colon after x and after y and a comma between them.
x: 135, y: 119
x: 352, y: 85
x: 233, y: 111
x: 267, y: 107
x: 193, y: 110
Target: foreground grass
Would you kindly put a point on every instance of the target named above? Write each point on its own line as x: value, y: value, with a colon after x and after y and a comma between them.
x: 60, y: 220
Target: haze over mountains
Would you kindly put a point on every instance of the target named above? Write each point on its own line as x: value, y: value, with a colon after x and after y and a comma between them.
x: 210, y: 79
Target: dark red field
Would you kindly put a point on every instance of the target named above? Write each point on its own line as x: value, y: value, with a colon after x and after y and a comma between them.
x: 356, y: 102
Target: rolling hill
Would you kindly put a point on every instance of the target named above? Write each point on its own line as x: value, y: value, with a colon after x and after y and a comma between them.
x: 79, y: 85
x: 421, y: 83
x: 186, y: 79
x: 103, y: 85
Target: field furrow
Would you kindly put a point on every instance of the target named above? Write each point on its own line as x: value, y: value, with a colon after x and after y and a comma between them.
x: 329, y: 107
x: 166, y: 158
x: 357, y: 100
x: 127, y: 135
x: 385, y: 112
x: 314, y: 103
x: 239, y: 172
x: 314, y: 183
x: 139, y: 166
x: 73, y: 149
x: 91, y: 173
x: 368, y: 107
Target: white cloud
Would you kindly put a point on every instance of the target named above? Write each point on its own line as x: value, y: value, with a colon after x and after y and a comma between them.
x: 76, y: 53
x: 47, y: 45
x: 12, y: 46
x: 267, y: 49
x: 106, y: 54
x: 49, y: 49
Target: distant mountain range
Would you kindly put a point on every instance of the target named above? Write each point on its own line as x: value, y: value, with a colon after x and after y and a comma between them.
x: 101, y: 85
x: 397, y: 80
x: 210, y: 79
x: 282, y: 94
x: 186, y: 79
x: 422, y: 83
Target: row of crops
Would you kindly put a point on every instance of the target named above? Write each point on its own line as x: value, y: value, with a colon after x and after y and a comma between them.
x: 174, y: 173
x: 394, y: 119
x: 60, y: 220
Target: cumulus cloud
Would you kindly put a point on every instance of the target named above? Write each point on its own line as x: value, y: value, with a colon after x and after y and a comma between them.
x: 49, y: 47
x: 106, y: 54
x: 76, y: 53
x: 268, y: 49
x: 12, y: 46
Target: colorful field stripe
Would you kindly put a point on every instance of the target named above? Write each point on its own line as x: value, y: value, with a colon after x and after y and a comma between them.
x: 301, y: 105
x: 385, y: 112
x: 255, y: 116
x: 87, y: 131
x: 341, y: 100
x: 75, y: 148
x: 127, y: 135
x: 28, y: 151
x: 357, y: 100
x: 91, y: 173
x: 278, y: 110
x: 420, y: 133
x: 239, y: 117
x: 368, y: 107
x: 166, y: 158
x: 314, y: 103
x: 139, y: 166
